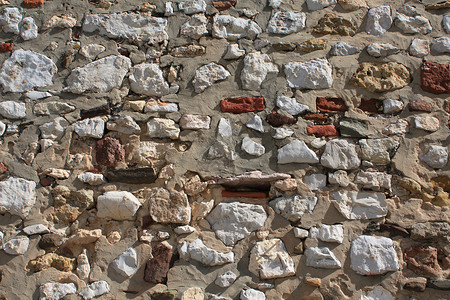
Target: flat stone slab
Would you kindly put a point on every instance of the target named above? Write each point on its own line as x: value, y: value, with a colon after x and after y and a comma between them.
x: 360, y: 205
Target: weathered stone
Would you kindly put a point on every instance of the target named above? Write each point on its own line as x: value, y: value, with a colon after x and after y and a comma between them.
x: 109, y: 152
x: 321, y: 257
x: 257, y: 66
x: 55, y: 290
x: 442, y: 284
x: 286, y: 22
x: 233, y: 52
x: 252, y: 180
x: 352, y: 5
x: 313, y: 74
x: 132, y: 175
x: 391, y: 106
x: 168, y: 206
x: 91, y: 51
x: 48, y: 108
x: 220, y: 150
x: 252, y: 294
x: 95, y: 289
x: 296, y: 152
x: 97, y: 111
x: 334, y: 24
x: 377, y: 293
x: 223, y: 4
x: 36, y: 229
x: 251, y: 147
x: 340, y: 154
x: 354, y: 128
x: 242, y: 104
x: 117, y: 205
x: 195, y: 27
x: 343, y: 49
x: 231, y: 28
x: 56, y: 173
x: 10, y: 18
x: 315, y: 181
x: 374, y: 180
x: 423, y: 261
x: 269, y: 259
x: 165, y: 295
x: 360, y: 205
x: 330, y: 104
x: 207, y: 75
x: 276, y: 119
x: 83, y: 267
x: 408, y: 21
x: 378, y: 20
x: 54, y: 130
x: 157, y: 267
x: 328, y: 233
x: 198, y: 251
x: 381, y: 50
x: 190, y: 7
x: 322, y: 130
x: 123, y: 124
x: 313, y: 45
x: 419, y: 48
x: 254, y: 123
x: 435, y: 156
x: 400, y: 126
x: 13, y: 109
x: 417, y: 284
x: 162, y: 128
x: 159, y: 106
x: 70, y: 204
x: 193, y: 293
x: 126, y: 264
x: 50, y: 260
x: 17, y: 246
x: 148, y: 79
x: 188, y: 51
x: 293, y: 208
x: 300, y: 233
x: 28, y: 29
x: 284, y: 46
x: 17, y: 196
x: 381, y: 77
x: 441, y: 45
x: 185, y: 229
x: 62, y: 21
x: 446, y: 23
x: 427, y: 123
x: 50, y: 241
x: 372, y: 255
x: 435, y: 77
x: 319, y: 4
x: 90, y: 128
x: 431, y: 231
x: 282, y: 133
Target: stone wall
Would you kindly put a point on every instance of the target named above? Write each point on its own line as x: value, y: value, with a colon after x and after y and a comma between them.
x: 243, y: 149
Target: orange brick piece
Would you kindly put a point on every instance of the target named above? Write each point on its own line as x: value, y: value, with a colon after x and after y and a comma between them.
x: 223, y: 4
x: 33, y: 3
x: 6, y: 47
x: 242, y: 104
x: 322, y: 130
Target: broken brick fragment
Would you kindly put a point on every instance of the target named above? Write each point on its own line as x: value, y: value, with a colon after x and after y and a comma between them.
x: 223, y: 4
x: 316, y: 117
x: 6, y: 47
x: 109, y: 152
x: 3, y: 168
x: 420, y: 105
x: 242, y: 104
x: 370, y: 106
x: 276, y: 119
x: 435, y: 78
x: 157, y: 267
x: 322, y: 130
x: 423, y: 261
x: 33, y: 3
x: 331, y: 104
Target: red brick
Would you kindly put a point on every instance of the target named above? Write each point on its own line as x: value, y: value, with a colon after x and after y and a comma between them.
x: 420, y: 105
x: 3, y: 168
x: 6, y: 47
x: 435, y: 78
x: 228, y: 194
x: 33, y: 3
x: 322, y: 130
x: 109, y: 151
x: 316, y: 117
x: 224, y: 5
x: 242, y: 104
x: 330, y: 104
x: 276, y: 120
x: 370, y: 106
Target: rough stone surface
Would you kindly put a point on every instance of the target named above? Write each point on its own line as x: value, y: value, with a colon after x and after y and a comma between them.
x: 109, y: 152
x: 435, y: 156
x: 28, y: 29
x: 441, y: 45
x: 231, y: 28
x: 291, y: 105
x: 321, y: 257
x: 95, y: 289
x: 117, y: 205
x: 251, y: 147
x: 435, y: 77
x: 55, y: 290
x: 419, y: 48
x: 198, y: 251
x: 319, y: 4
x: 226, y: 279
x: 381, y: 50
x: 207, y: 75
x: 17, y: 196
x: 340, y: 154
x: 162, y: 128
x: 10, y: 19
x: 17, y: 246
x: 169, y: 206
x: 286, y: 22
x: 427, y: 123
x: 343, y: 49
x: 269, y: 259
x: 296, y: 152
x: 157, y: 267
x: 13, y: 110
x: 378, y: 151
x: 242, y: 104
x: 378, y: 20
x: 148, y: 79
x: 252, y: 294
x: 293, y: 208
x: 90, y: 128
x: 408, y: 21
x: 334, y: 24
x: 195, y: 27
x: 381, y: 77
x: 257, y: 66
x: 126, y: 264
x: 254, y: 123
x: 313, y: 74
x: 360, y: 205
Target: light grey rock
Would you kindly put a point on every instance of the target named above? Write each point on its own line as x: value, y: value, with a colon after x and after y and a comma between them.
x: 318, y: 143
x: 36, y: 229
x: 17, y: 246
x: 234, y: 221
x: 255, y: 123
x: 378, y: 20
x: 340, y: 154
x: 10, y: 18
x: 168, y: 9
x: 35, y: 95
x: 99, y: 76
x: 441, y: 45
x: 252, y: 294
x: 13, y: 110
x: 435, y: 156
x: 315, y: 181
x: 408, y: 21
x: 158, y: 106
x: 123, y: 124
x: 343, y: 49
x: 275, y: 3
x: 198, y: 251
x: 192, y: 6
x: 330, y: 233
x: 129, y: 26
x: 63, y: 21
x: 126, y: 264
x: 319, y: 4
x: 54, y: 130
x: 419, y: 48
x: 56, y: 290
x: 269, y: 259
x: 321, y: 257
x: 148, y: 79
x: 251, y: 147
x: 17, y: 196
x: 372, y: 255
x: 296, y: 152
x: 162, y: 128
x: 313, y: 74
x: 117, y: 205
x: 28, y: 29
x: 226, y: 279
x: 282, y: 133
x: 291, y: 105
x: 185, y: 229
x: 374, y: 180
x: 401, y: 126
x: 231, y: 28
x: 257, y: 66
x: 95, y: 289
x: 83, y: 267
x: 287, y: 22
x: 360, y: 205
x: 376, y: 294
x: 207, y: 75
x: 94, y: 128
x: 294, y: 207
x: 391, y: 106
x: 91, y: 51
x: 25, y: 70
x: 224, y: 128
x: 195, y: 27
x: 378, y: 151
x: 221, y: 150
x: 233, y: 52
x: 195, y: 122
x: 446, y: 23
x: 300, y: 233
x: 92, y: 178
x: 427, y: 123
x: 2, y: 128
x: 381, y: 50
x: 53, y: 107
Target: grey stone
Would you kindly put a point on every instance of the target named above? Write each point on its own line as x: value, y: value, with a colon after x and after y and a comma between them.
x: 296, y: 152
x: 360, y: 205
x: 148, y: 79
x: 10, y: 18
x: 17, y: 196
x: 353, y: 128
x: 419, y: 48
x: 408, y: 21
x: 286, y: 22
x: 291, y: 105
x: 294, y: 207
x: 13, y: 110
x: 198, y: 251
x: 321, y: 257
x: 231, y: 28
x: 313, y: 74
x: 378, y: 20
x: 319, y: 4
x: 381, y: 50
x: 195, y: 27
x: 126, y: 264
x: 378, y: 151
x: 190, y: 7
x: 340, y: 154
x: 95, y: 289
x: 251, y: 147
x: 441, y: 45
x: 257, y: 66
x: 207, y: 75
x: 435, y: 156
x: 255, y: 123
x: 315, y: 181
x: 28, y: 29
x: 343, y: 49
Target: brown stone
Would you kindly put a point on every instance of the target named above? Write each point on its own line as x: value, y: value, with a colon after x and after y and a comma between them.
x: 50, y: 241
x: 313, y: 45
x: 330, y: 104
x: 6, y: 47
x: 435, y: 78
x: 423, y: 261
x: 96, y: 111
x: 439, y: 5
x: 53, y: 260
x: 442, y: 181
x: 242, y: 104
x: 165, y: 295
x: 447, y: 106
x: 321, y: 118
x: 157, y: 267
x: 394, y: 229
x: 254, y: 180
x: 284, y: 46
x: 223, y: 4
x: 109, y: 152
x: 33, y: 3
x: 417, y: 284
x: 322, y: 130
x: 334, y: 24
x: 352, y: 5
x: 370, y: 106
x: 276, y: 119
x: 70, y: 204
x: 313, y: 281
x: 188, y: 51
x: 420, y: 105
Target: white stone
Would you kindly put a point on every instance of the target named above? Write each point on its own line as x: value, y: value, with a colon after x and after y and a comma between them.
x: 123, y: 124
x: 343, y: 49
x: 224, y: 128
x: 91, y: 178
x: 148, y: 79
x: 319, y: 4
x: 13, y: 110
x: 391, y: 106
x: 251, y: 147
x: 372, y: 255
x: 83, y: 266
x: 252, y: 294
x: 195, y: 27
x: 313, y: 74
x: 257, y: 66
x: 269, y: 259
x: 184, y: 229
x: 275, y: 3
x: 446, y: 23
x: 412, y: 23
x: 315, y: 181
x: 231, y: 28
x: 117, y: 205
x: 381, y: 49
x: 17, y: 196
x: 91, y: 51
x: 378, y: 20
x: 10, y: 19
x: 195, y: 122
x: 360, y: 205
x: 159, y: 106
x: 126, y: 264
x: 339, y: 177
x: 168, y: 9
x: 28, y: 29
x: 427, y: 123
x: 149, y: 236
x: 56, y: 290
x: 25, y: 70
x: 54, y: 130
x: 441, y: 45
x: 282, y: 133
x: 36, y: 229
x: 59, y: 21
x: 162, y: 128
x: 340, y: 154
x: 300, y: 233
x: 255, y: 123
x: 401, y: 126
x: 99, y: 76
x: 198, y: 251
x: 219, y: 150
x: 378, y: 293
x: 378, y: 151
x: 193, y: 293
x: 207, y: 75
x: 233, y: 52
x: 296, y: 152
x: 2, y: 128
x: 90, y: 127
x: 287, y: 22
x: 294, y: 207
x: 234, y: 221
x: 331, y: 233
x: 321, y: 257
x: 17, y: 246
x: 291, y: 105
x: 192, y: 6
x: 226, y: 279
x: 374, y: 180
x: 419, y: 48
x: 435, y: 156
x: 35, y: 95
x: 95, y: 289
x: 130, y: 26
x: 318, y: 143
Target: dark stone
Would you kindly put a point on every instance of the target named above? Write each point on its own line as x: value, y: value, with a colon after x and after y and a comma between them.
x: 276, y: 119
x: 50, y: 242
x: 96, y: 111
x: 371, y: 106
x: 330, y: 104
x: 284, y: 46
x: 45, y: 181
x: 322, y: 130
x: 423, y: 261
x: 166, y: 295
x: 353, y: 128
x: 156, y: 268
x: 394, y: 229
x: 132, y: 175
x: 442, y: 284
x: 109, y: 152
x: 435, y: 78
x: 418, y: 284
x: 242, y: 104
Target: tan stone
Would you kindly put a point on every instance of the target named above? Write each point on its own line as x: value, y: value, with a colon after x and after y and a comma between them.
x: 334, y: 24
x: 188, y: 51
x: 56, y: 173
x: 286, y: 184
x: 200, y: 209
x: 137, y: 105
x: 352, y: 5
x: 381, y: 77
x: 70, y: 204
x: 313, y: 45
x: 83, y: 237
x: 168, y: 206
x: 194, y: 186
x: 49, y: 260
x: 410, y: 185
x: 442, y: 199
x: 313, y: 281
x: 193, y: 293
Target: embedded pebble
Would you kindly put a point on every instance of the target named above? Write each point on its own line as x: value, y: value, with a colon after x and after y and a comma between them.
x: 13, y: 110
x: 343, y: 49
x: 321, y: 257
x: 381, y: 50
x: 378, y: 20
x: 435, y: 156
x: 207, y: 75
x: 286, y: 22
x: 17, y: 246
x: 255, y: 123
x: 257, y: 66
x: 28, y: 29
x: 126, y: 264
x: 313, y: 74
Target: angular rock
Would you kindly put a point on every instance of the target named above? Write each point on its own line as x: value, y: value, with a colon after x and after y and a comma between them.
x: 431, y: 231
x: 276, y: 119
x: 294, y: 207
x: 190, y: 7
x: 63, y: 21
x: 169, y: 206
x: 117, y: 205
x: 123, y: 124
x: 48, y: 108
x: 55, y: 290
x: 378, y: 20
x: 354, y: 128
x: 291, y: 105
x: 254, y: 180
x: 193, y: 293
x: 256, y: 68
x: 223, y: 4
x: 360, y: 205
x: 382, y: 50
x: 269, y: 259
x: 313, y: 74
x: 343, y: 49
x: 339, y: 177
x: 435, y: 77
x: 319, y: 4
x: 381, y: 77
x: 322, y: 130
x: 254, y: 123
x: 409, y: 22
x: 242, y: 104
x: 99, y: 76
x: 435, y: 156
x: 231, y: 28
x: 162, y: 128
x: 377, y: 293
x: 95, y: 289
x: 49, y: 260
x: 36, y: 229
x: 372, y: 255
x: 329, y: 233
x: 321, y: 257
x: 186, y: 229
x: 340, y: 154
x: 2, y: 128
x: 195, y: 122
x: 91, y: 178
x: 188, y: 51
x: 427, y: 123
x: 54, y: 130
x: 28, y: 29
x: 313, y: 45
x: 282, y: 133
x: 300, y: 233
x: 446, y: 23
x: 148, y: 79
x: 90, y: 128
x: 352, y: 5
x: 224, y: 128
x: 374, y: 180
x: 378, y: 151
x: 251, y: 147
x: 10, y: 18
x: 315, y: 181
x: 126, y: 264
x: 233, y: 52
x: 17, y: 246
x: 195, y: 27
x: 417, y: 284
x: 419, y: 48
x: 13, y: 109
x: 70, y: 204
x: 423, y: 261
x: 198, y: 251
x: 83, y: 266
x: 157, y: 267
x: 91, y: 51
x: 391, y: 106
x: 226, y: 279
x: 286, y: 22
x: 296, y: 152
x: 334, y: 24
x: 109, y: 152
x: 207, y: 75
x: 235, y: 221
x: 252, y: 294
x: 441, y: 45
x: 219, y: 150
x: 17, y: 196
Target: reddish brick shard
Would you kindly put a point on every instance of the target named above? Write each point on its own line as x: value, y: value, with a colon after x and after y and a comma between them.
x: 330, y: 104
x: 276, y: 120
x: 423, y: 261
x: 33, y: 3
x: 420, y: 105
x: 316, y: 117
x: 322, y: 130
x: 242, y: 104
x: 6, y: 47
x: 109, y: 152
x: 370, y: 106
x: 228, y: 194
x: 223, y: 5
x: 435, y: 78
x: 156, y: 268
x: 3, y: 168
